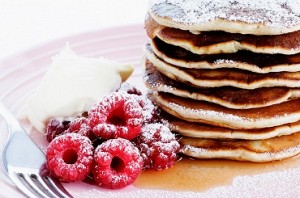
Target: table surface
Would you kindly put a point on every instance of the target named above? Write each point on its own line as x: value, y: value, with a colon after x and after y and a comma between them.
x: 29, y: 23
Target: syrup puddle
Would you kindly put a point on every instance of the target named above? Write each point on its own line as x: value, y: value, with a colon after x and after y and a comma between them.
x: 202, y: 175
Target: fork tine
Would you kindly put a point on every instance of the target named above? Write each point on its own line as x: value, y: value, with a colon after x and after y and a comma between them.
x: 57, y: 186
x: 53, y: 183
x: 48, y: 188
x: 20, y: 183
x: 28, y: 179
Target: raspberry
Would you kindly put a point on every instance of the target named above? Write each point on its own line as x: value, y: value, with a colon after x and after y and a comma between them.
x: 117, y: 163
x: 150, y: 111
x: 158, y: 146
x: 69, y: 157
x: 55, y: 128
x: 130, y: 89
x: 80, y: 126
x: 117, y: 115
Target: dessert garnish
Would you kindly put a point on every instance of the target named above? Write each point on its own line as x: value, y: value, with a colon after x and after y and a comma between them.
x: 158, y: 146
x: 117, y: 115
x: 122, y: 132
x: 70, y: 157
x: 72, y: 85
x: 117, y: 163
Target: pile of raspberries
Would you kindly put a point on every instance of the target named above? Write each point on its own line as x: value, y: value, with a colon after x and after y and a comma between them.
x: 118, y: 138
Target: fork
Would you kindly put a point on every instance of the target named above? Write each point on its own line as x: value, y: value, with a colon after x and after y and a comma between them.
x: 25, y: 163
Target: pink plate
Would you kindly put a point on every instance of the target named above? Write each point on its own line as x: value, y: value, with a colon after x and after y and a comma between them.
x: 20, y: 75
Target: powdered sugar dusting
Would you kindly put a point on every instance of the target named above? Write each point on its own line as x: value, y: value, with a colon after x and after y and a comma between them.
x: 271, y: 13
x: 209, y: 114
x: 149, y: 133
x: 105, y: 174
x: 225, y: 61
x: 192, y: 149
x: 59, y: 165
x: 156, y: 80
x: 117, y: 115
x: 158, y: 146
x: 115, y: 145
x: 148, y: 107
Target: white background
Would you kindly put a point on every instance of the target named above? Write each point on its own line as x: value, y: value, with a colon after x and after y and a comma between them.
x: 28, y: 23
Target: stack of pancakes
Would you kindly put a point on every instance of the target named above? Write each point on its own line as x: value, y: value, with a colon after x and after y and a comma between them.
x: 227, y: 76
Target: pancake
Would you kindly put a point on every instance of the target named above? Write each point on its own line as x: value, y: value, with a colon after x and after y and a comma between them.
x: 269, y: 17
x: 266, y: 150
x: 226, y: 96
x: 224, y: 76
x: 217, y: 42
x: 217, y: 115
x: 199, y: 130
x: 245, y: 60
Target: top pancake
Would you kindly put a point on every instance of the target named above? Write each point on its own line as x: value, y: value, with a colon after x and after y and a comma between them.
x: 269, y: 17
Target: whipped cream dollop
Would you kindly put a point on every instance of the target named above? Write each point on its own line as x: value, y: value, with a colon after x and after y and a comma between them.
x: 72, y: 85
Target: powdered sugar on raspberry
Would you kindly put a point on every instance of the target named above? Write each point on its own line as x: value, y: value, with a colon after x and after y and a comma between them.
x: 69, y: 157
x: 271, y: 13
x: 106, y: 172
x: 158, y: 146
x: 151, y: 129
x: 149, y: 109
x: 80, y: 125
x: 117, y: 115
x: 115, y: 120
x: 129, y: 150
x: 129, y: 88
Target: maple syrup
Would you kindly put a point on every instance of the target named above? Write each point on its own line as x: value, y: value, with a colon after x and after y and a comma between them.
x: 202, y: 175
